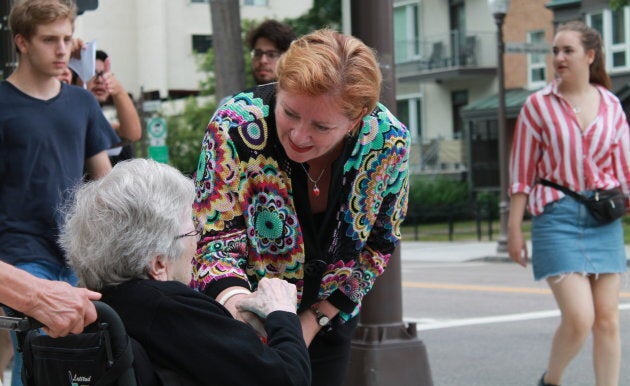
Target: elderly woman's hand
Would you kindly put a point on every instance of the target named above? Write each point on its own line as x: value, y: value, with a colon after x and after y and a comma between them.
x: 271, y: 295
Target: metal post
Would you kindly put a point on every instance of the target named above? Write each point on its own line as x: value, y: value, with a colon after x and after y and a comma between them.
x: 503, y: 148
x: 8, y: 56
x: 384, y: 350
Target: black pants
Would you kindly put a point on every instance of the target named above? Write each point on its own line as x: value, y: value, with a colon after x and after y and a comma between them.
x: 330, y: 353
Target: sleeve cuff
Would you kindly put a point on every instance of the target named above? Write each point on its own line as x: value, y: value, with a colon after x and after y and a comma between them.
x: 342, y: 302
x: 213, y: 289
x: 519, y: 187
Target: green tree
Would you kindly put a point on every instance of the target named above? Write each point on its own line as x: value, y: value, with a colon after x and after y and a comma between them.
x: 324, y: 13
x: 616, y: 4
x: 186, y: 129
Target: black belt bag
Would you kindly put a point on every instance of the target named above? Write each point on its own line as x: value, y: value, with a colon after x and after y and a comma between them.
x: 605, y: 205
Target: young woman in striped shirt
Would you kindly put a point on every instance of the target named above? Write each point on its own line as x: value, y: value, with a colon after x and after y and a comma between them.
x: 573, y: 132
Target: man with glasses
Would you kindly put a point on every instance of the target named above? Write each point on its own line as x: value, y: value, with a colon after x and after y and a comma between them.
x: 267, y: 42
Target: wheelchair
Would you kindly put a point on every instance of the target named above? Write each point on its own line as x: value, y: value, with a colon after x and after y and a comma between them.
x: 102, y: 355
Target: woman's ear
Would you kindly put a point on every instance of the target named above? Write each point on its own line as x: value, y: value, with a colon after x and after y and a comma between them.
x: 356, y: 124
x: 590, y: 54
x: 157, y: 268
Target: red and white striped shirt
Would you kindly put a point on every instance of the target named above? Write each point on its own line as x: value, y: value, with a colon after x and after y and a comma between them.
x: 548, y: 143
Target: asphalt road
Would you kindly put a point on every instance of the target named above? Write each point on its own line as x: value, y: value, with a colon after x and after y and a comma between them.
x: 491, y: 324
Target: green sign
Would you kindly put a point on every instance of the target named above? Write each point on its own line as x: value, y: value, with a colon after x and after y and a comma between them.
x: 157, y: 128
x: 159, y: 153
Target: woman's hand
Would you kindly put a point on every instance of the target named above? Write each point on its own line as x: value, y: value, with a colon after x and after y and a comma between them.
x: 517, y: 248
x: 271, y: 295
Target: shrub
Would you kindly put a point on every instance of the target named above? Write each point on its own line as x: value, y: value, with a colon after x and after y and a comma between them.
x: 437, y: 199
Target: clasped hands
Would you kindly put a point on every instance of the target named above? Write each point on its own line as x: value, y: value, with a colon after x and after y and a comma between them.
x: 271, y: 295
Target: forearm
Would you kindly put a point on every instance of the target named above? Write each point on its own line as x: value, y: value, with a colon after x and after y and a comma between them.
x: 129, y: 123
x: 229, y: 297
x: 518, y: 202
x: 18, y: 288
x: 98, y: 165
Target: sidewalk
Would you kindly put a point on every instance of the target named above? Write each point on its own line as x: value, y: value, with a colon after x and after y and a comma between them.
x: 456, y: 251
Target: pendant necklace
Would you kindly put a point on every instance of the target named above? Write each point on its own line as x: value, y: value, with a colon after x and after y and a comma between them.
x: 315, y: 188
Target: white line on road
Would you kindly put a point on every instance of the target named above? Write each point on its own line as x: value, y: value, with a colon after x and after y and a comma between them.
x: 432, y: 324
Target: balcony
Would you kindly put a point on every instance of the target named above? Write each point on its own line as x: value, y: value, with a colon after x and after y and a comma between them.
x: 446, y: 57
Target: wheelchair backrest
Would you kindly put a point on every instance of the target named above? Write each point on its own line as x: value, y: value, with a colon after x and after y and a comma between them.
x: 100, y: 356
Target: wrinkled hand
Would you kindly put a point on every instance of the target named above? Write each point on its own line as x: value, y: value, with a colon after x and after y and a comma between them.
x: 63, y: 309
x: 517, y: 248
x: 271, y: 295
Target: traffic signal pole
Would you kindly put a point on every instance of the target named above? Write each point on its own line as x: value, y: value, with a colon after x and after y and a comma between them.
x: 385, y: 351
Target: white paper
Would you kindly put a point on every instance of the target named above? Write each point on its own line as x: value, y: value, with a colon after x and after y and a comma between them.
x: 85, y: 67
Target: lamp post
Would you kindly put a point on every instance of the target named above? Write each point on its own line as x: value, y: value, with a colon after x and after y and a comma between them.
x: 499, y: 9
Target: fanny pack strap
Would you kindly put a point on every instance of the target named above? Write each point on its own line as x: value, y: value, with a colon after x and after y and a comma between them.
x: 563, y: 189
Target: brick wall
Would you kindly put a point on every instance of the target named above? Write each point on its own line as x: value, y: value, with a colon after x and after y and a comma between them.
x: 524, y: 16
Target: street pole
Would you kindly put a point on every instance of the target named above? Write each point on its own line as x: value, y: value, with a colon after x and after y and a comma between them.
x: 499, y: 9
x: 8, y: 56
x: 384, y: 350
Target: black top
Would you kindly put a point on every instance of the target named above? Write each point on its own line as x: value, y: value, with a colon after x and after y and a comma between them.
x: 186, y: 331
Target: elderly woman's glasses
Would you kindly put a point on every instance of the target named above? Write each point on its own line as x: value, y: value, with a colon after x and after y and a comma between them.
x: 271, y: 54
x: 194, y: 233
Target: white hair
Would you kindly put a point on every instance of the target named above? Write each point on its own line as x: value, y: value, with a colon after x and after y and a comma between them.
x: 115, y: 226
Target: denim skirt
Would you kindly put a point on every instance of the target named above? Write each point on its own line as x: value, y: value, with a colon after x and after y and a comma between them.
x: 567, y: 239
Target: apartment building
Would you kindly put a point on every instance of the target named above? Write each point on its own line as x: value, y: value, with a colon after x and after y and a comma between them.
x: 446, y: 71
x: 527, y: 68
x: 446, y: 58
x: 153, y: 43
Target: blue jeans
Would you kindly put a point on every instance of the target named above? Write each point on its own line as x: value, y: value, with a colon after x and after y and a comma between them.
x: 44, y: 270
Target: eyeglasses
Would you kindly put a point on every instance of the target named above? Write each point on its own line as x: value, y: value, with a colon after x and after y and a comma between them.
x: 98, y: 74
x: 194, y: 233
x: 271, y: 54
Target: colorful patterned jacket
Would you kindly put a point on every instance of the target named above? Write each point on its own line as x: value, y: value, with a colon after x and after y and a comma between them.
x: 253, y: 202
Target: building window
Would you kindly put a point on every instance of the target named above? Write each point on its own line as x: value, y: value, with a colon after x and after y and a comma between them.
x: 260, y: 3
x: 199, y: 1
x: 615, y: 29
x: 536, y: 63
x: 201, y: 43
x: 407, y: 32
x: 410, y: 114
x: 618, y: 37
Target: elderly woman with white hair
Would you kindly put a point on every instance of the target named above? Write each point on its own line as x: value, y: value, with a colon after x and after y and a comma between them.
x: 131, y: 236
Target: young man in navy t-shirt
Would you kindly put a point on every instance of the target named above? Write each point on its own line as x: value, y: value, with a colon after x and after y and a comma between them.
x: 48, y: 132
